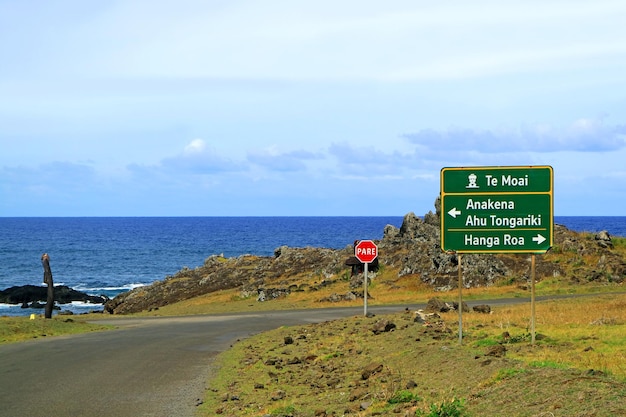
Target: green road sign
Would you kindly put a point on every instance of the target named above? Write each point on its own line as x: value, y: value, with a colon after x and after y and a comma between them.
x: 497, y: 209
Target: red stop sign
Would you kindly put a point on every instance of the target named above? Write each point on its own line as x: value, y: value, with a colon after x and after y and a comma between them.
x: 366, y: 251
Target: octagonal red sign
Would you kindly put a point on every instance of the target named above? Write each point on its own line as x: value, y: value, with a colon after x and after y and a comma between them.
x: 366, y: 251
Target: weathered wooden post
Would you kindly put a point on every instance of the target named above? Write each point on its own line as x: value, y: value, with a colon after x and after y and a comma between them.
x: 47, y: 279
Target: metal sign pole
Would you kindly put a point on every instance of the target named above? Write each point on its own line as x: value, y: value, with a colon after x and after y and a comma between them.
x: 495, y: 209
x: 532, y: 299
x: 460, y: 302
x: 365, y: 289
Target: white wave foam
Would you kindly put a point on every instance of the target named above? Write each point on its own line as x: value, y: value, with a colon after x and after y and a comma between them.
x: 9, y: 306
x: 81, y: 303
x: 126, y: 287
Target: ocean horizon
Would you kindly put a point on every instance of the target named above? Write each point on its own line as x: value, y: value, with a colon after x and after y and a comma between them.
x: 109, y: 255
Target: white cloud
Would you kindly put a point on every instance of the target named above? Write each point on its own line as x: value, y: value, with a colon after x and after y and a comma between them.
x: 583, y: 135
x: 195, y: 146
x: 198, y: 158
x: 274, y: 160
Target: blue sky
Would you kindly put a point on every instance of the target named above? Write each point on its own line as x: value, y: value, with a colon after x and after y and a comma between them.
x: 244, y: 108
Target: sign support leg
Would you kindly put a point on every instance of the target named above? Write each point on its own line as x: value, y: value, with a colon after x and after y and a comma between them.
x: 532, y: 299
x: 460, y: 302
x: 365, y: 289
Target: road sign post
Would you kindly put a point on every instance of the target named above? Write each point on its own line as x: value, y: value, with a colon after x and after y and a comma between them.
x: 497, y: 210
x: 365, y: 251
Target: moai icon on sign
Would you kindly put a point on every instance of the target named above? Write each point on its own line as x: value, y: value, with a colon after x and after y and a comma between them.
x: 471, y: 181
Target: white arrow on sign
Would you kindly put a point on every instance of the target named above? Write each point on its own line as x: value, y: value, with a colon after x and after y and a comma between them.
x: 454, y: 212
x: 539, y: 239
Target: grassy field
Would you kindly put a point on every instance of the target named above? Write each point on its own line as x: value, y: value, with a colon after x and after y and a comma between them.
x: 577, y: 366
x: 394, y: 291
x: 17, y: 329
x: 385, y: 289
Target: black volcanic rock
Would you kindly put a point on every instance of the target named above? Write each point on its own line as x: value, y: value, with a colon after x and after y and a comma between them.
x: 31, y: 293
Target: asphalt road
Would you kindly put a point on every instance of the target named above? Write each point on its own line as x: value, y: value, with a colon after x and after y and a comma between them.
x: 146, y: 367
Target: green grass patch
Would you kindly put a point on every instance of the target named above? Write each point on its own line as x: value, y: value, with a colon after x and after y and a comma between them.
x: 619, y: 242
x: 403, y: 396
x: 17, y: 329
x: 285, y: 411
x: 486, y: 342
x: 453, y: 408
x: 548, y: 364
x: 507, y: 373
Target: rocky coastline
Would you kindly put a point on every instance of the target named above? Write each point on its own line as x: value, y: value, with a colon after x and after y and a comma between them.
x: 33, y: 296
x: 412, y: 250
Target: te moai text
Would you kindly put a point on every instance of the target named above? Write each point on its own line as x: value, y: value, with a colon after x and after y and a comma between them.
x: 506, y: 181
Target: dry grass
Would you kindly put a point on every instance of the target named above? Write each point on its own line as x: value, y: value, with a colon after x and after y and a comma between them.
x: 576, y: 369
x: 584, y: 333
x: 386, y: 288
x: 577, y: 365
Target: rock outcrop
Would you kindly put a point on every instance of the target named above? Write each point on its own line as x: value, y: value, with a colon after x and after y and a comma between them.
x: 29, y: 294
x: 252, y: 274
x: 413, y: 250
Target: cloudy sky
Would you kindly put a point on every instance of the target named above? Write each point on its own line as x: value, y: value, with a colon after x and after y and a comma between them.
x: 280, y: 107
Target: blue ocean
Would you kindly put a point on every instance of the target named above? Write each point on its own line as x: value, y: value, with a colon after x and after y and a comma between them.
x: 108, y: 255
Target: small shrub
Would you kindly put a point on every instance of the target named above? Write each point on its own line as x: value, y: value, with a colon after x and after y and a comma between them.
x: 618, y: 242
x: 508, y: 281
x: 548, y: 364
x: 556, y: 249
x: 508, y: 373
x: 331, y: 356
x: 526, y: 337
x: 455, y: 408
x: 403, y: 396
x: 284, y: 411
